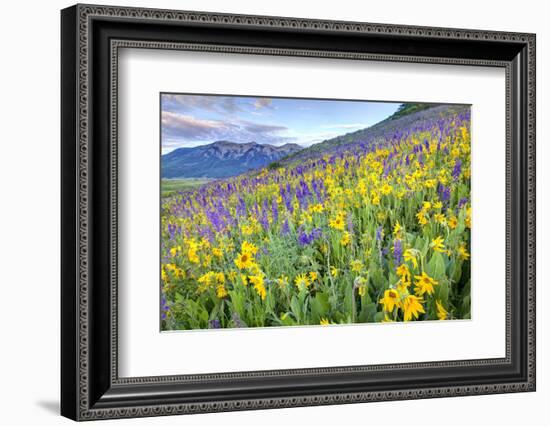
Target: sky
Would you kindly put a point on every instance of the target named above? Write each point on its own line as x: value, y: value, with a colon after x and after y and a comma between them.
x: 193, y: 120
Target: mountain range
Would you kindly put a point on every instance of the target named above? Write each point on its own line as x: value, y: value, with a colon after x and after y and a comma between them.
x: 222, y: 159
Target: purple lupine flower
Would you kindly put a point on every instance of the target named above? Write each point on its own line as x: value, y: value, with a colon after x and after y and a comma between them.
x: 256, y: 209
x: 285, y: 230
x: 303, y: 238
x: 287, y: 198
x: 264, y: 221
x: 241, y: 208
x: 379, y: 233
x: 215, y: 219
x: 397, y: 251
x: 316, y: 233
x: 274, y: 210
x: 318, y: 188
x: 444, y: 193
x: 305, y: 188
x: 206, y: 232
x: 385, y: 251
x: 164, y: 307
x: 214, y: 323
x: 457, y: 169
x: 462, y: 202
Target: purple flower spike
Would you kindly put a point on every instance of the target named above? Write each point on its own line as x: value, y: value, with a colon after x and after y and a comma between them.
x: 444, y: 193
x: 285, y: 229
x: 379, y: 233
x: 397, y: 251
x: 215, y: 323
x: 274, y: 211
x: 457, y: 169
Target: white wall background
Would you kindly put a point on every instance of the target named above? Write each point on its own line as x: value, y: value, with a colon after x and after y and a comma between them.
x: 29, y: 213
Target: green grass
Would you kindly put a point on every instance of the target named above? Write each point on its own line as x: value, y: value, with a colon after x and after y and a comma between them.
x: 169, y: 187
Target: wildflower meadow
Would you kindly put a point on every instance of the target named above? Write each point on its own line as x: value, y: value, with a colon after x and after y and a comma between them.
x: 375, y: 230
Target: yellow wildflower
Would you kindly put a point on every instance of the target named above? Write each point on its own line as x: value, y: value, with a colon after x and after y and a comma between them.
x: 324, y: 321
x: 421, y: 216
x: 247, y: 229
x: 452, y: 222
x: 317, y: 208
x: 346, y: 239
x: 437, y: 245
x: 282, y: 282
x: 244, y: 261
x: 412, y: 306
x: 247, y: 247
x: 221, y: 292
x: 386, y: 189
x: 356, y: 265
x: 410, y: 255
x: 192, y: 254
x: 206, y: 281
x: 440, y: 217
x: 337, y: 223
x: 258, y: 282
x: 442, y: 313
x: 403, y: 272
x: 302, y: 281
x: 334, y: 271
x: 463, y: 252
x: 397, y: 229
x: 424, y: 284
x: 390, y: 300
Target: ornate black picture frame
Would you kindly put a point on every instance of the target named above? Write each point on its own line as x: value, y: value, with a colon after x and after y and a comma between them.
x: 91, y: 36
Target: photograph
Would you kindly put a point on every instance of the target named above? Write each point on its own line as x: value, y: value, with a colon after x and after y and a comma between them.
x: 274, y: 208
x: 312, y: 212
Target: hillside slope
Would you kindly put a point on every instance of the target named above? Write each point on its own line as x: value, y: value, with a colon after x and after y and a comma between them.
x: 405, y: 120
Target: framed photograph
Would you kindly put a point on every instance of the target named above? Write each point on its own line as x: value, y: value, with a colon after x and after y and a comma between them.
x: 263, y: 212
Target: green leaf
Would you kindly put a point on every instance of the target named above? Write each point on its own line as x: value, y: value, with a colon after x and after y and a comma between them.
x: 378, y: 279
x: 436, y: 266
x: 442, y: 291
x: 378, y: 317
x: 368, y: 311
x: 295, y: 308
x: 320, y: 307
